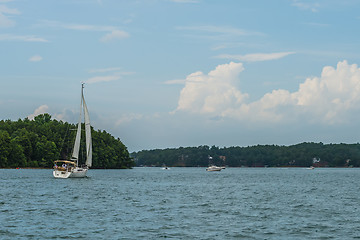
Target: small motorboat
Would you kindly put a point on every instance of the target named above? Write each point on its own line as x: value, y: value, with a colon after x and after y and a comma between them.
x: 213, y: 168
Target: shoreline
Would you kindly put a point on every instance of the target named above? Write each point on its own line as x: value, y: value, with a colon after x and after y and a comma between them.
x: 18, y: 168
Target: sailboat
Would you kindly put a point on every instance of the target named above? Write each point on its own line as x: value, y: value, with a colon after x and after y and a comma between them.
x: 71, y: 168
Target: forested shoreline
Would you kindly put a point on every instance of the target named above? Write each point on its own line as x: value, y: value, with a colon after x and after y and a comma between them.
x: 299, y: 155
x: 38, y: 143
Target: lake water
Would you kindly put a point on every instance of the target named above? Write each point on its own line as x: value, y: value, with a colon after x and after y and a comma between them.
x: 182, y: 203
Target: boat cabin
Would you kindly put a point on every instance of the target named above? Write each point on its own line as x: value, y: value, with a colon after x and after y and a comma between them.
x: 64, y: 165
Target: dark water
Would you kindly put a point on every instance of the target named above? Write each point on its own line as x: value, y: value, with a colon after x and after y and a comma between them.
x: 181, y: 203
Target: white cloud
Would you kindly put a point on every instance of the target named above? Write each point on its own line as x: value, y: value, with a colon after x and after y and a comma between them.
x: 224, y: 30
x: 35, y: 58
x: 4, y: 9
x: 332, y: 95
x: 101, y: 70
x: 114, y: 32
x: 302, y: 5
x: 78, y: 27
x: 83, y: 27
x: 66, y: 115
x: 108, y: 78
x: 330, y: 98
x: 228, y: 45
x: 5, y: 20
x: 256, y: 57
x: 114, y: 35
x: 175, y: 81
x: 212, y: 92
x: 40, y: 110
x: 10, y: 37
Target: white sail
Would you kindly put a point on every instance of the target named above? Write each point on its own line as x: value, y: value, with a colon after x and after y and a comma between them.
x: 76, y: 149
x: 87, y: 135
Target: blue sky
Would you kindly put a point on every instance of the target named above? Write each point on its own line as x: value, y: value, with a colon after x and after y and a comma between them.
x: 171, y: 73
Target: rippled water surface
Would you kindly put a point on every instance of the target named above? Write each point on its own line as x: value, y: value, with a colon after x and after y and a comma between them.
x: 181, y: 203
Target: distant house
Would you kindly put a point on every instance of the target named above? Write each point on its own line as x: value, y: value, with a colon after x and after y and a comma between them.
x: 318, y: 163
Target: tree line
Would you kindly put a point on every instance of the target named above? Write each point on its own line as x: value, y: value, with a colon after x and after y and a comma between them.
x: 299, y: 155
x: 39, y: 142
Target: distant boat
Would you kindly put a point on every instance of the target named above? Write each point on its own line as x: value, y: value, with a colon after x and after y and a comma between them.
x: 311, y: 168
x: 71, y: 168
x: 214, y: 168
x: 165, y: 168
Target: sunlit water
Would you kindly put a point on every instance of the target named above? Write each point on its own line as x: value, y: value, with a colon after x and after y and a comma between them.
x: 181, y: 203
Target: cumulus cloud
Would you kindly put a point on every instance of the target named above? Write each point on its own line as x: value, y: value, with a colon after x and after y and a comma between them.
x: 35, y: 58
x: 256, y: 57
x: 40, y: 110
x: 329, y: 98
x: 212, y: 92
x: 333, y: 94
x: 114, y: 35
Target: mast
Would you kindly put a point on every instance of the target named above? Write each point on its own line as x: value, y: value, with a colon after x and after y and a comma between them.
x: 87, y: 132
x: 75, y: 155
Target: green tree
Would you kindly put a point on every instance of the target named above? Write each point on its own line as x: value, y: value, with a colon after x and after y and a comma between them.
x: 38, y: 142
x: 16, y: 153
x: 4, y: 148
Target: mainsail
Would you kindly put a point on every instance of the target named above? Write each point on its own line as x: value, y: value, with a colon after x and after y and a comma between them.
x: 76, y: 149
x: 87, y: 134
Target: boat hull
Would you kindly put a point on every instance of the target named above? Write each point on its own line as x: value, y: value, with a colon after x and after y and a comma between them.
x: 74, y: 173
x: 78, y: 173
x: 61, y: 174
x: 213, y: 169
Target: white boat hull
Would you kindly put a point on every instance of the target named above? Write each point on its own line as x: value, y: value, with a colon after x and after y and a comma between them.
x: 74, y: 173
x: 213, y: 169
x: 61, y: 174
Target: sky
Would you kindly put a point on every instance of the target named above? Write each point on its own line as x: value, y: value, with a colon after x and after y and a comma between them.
x: 178, y: 73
